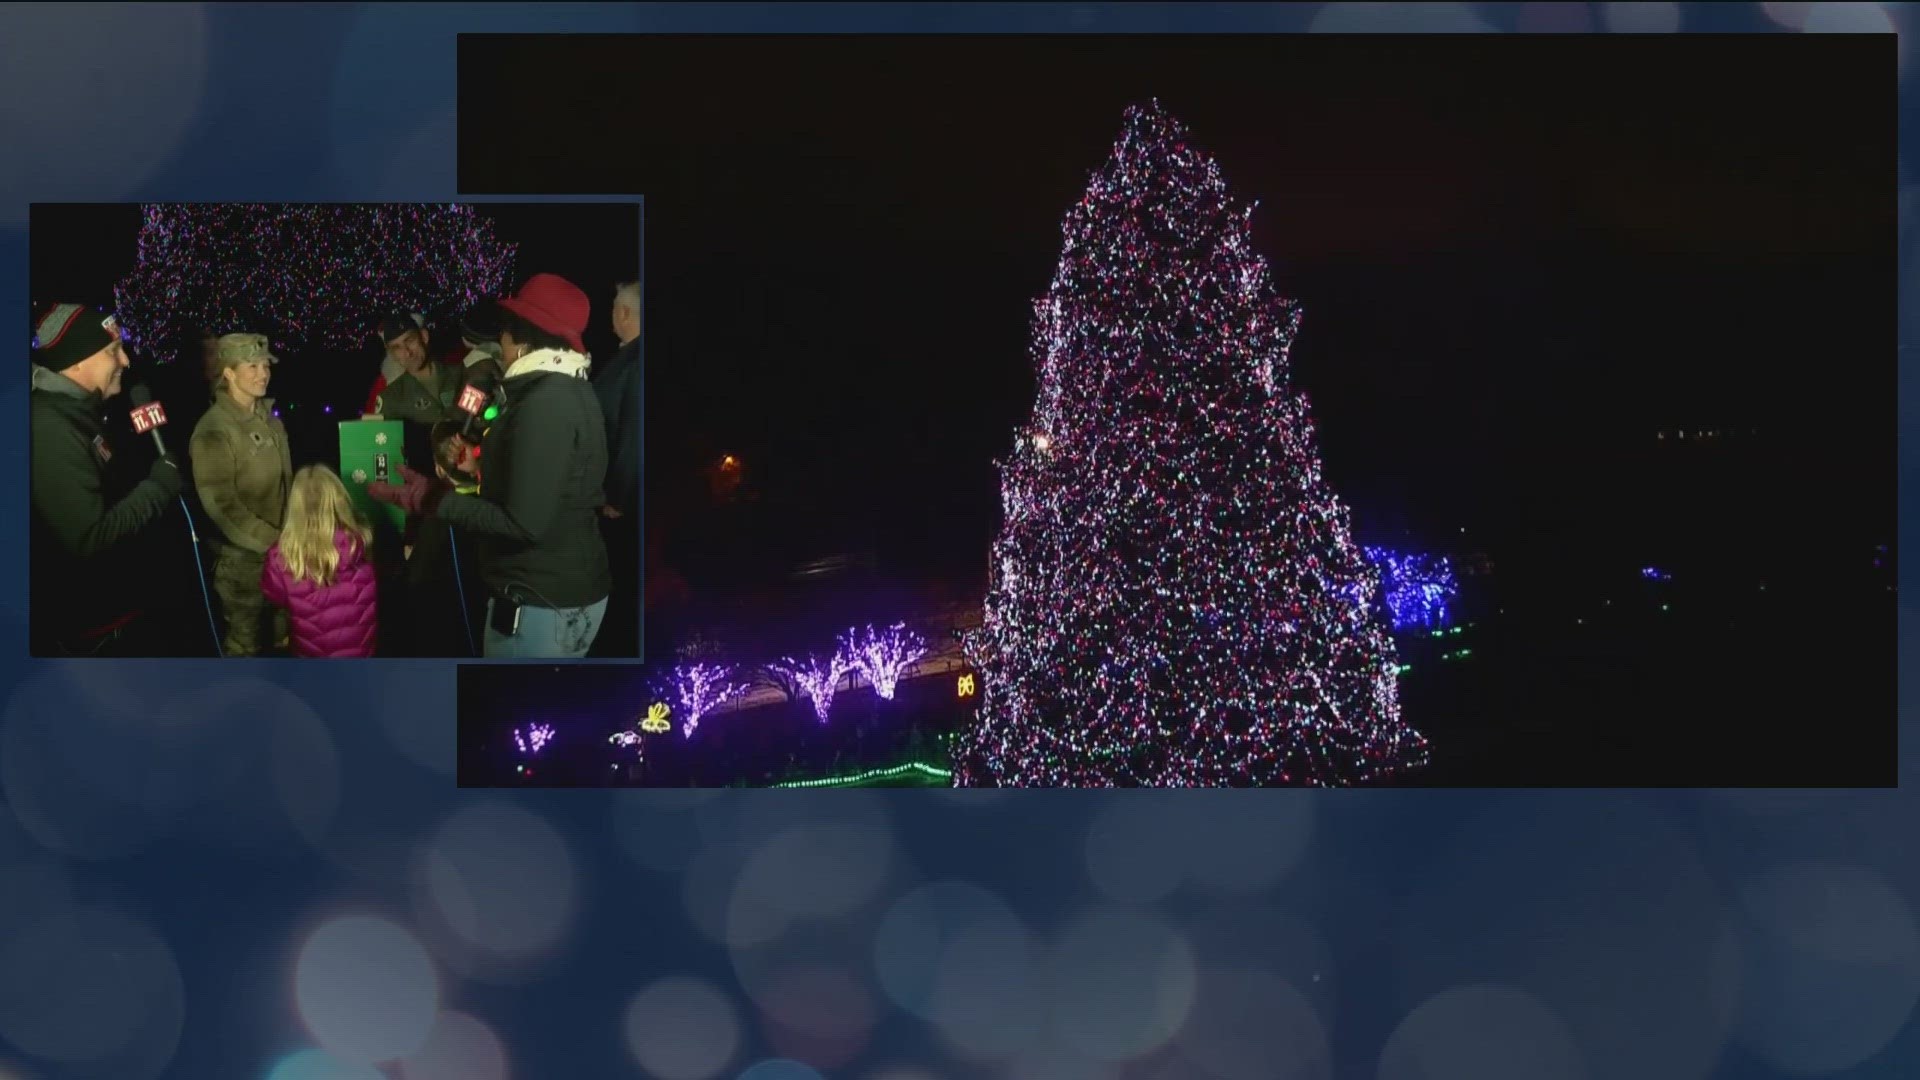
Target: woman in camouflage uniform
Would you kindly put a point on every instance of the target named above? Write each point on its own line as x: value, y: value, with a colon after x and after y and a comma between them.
x: 241, y: 468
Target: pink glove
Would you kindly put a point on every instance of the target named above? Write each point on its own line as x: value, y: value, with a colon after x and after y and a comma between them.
x: 409, y: 495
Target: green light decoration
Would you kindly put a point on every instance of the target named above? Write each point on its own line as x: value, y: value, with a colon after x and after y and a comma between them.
x: 492, y: 413
x: 1403, y: 669
x: 930, y: 771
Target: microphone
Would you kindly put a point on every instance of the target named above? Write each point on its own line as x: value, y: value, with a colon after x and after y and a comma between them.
x: 148, y: 415
x: 475, y: 397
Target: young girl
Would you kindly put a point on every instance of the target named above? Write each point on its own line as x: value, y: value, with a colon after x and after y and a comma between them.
x: 320, y: 570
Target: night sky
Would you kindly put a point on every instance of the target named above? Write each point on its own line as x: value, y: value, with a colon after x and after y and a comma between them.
x: 1519, y: 259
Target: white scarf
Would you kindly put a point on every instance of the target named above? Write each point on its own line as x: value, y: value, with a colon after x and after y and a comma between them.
x: 564, y: 361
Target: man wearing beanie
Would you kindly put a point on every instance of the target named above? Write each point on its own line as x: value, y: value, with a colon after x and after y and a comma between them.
x: 425, y: 391
x: 393, y: 332
x: 92, y: 503
x: 538, y: 508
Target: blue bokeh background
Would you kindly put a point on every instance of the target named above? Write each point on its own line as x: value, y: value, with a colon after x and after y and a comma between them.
x: 265, y: 871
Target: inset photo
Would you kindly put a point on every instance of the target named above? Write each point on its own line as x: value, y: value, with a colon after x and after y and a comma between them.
x: 335, y: 430
x: 1264, y: 410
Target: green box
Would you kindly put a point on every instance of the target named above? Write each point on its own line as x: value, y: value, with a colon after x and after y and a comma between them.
x: 365, y: 446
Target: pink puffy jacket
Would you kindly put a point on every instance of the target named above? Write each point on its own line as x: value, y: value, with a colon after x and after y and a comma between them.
x: 336, y: 620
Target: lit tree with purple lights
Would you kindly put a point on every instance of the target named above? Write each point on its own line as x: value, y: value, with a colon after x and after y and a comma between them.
x: 880, y: 654
x: 1417, y: 588
x: 533, y: 738
x: 1175, y: 597
x: 309, y: 276
x: 816, y: 677
x: 701, y: 687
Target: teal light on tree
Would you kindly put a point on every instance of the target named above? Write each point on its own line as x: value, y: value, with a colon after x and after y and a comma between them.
x: 309, y: 276
x: 1175, y: 598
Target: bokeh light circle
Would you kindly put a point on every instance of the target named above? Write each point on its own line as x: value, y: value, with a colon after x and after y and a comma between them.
x: 501, y: 882
x: 780, y: 1069
x: 1486, y: 1032
x: 1831, y: 966
x: 1136, y: 848
x: 916, y: 932
x: 682, y: 1029
x: 320, y: 1065
x: 986, y: 1000
x: 1122, y: 985
x: 1249, y: 1024
x: 812, y: 872
x: 458, y: 1048
x: 1641, y: 18
x: 366, y: 990
x: 1388, y: 18
x: 91, y: 988
x: 1600, y: 907
x: 136, y: 74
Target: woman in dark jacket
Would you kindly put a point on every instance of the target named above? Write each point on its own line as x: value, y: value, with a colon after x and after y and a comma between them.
x: 542, y: 467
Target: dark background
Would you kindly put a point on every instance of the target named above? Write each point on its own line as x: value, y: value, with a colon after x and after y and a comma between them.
x: 1519, y: 269
x: 1361, y: 907
x: 1516, y: 266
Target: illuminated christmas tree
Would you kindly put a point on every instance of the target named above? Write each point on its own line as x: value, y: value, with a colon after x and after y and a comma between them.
x: 1176, y: 599
x: 309, y: 276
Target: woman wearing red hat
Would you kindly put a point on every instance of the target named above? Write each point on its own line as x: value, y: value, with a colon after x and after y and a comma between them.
x: 542, y: 468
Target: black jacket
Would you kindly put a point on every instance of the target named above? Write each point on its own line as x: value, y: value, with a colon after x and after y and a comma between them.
x: 620, y: 385
x: 536, y: 518
x: 92, y: 503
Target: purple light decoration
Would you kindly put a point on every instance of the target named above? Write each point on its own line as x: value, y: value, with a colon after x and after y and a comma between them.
x: 702, y: 687
x: 1416, y: 588
x: 533, y: 738
x: 880, y: 655
x: 312, y: 277
x: 817, y: 676
x: 1654, y: 574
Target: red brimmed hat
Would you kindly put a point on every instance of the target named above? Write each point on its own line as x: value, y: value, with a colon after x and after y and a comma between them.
x: 555, y: 305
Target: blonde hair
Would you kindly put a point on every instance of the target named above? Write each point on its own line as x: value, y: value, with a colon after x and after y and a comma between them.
x: 317, y: 506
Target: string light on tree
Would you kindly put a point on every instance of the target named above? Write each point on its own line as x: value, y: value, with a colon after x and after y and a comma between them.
x: 1176, y: 599
x: 700, y: 688
x: 1417, y: 588
x: 882, y: 654
x: 533, y: 738
x: 309, y: 276
x: 816, y: 677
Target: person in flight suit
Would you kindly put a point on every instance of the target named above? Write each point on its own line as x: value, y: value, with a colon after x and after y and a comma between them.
x: 242, y: 469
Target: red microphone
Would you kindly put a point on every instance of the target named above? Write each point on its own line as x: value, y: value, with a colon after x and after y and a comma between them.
x: 472, y: 400
x: 148, y: 415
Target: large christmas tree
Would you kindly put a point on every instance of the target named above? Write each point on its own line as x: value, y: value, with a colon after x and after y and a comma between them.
x: 1175, y: 599
x: 309, y: 276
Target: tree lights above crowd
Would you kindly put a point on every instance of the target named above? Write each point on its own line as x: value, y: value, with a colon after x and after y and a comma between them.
x: 1176, y: 599
x: 309, y: 276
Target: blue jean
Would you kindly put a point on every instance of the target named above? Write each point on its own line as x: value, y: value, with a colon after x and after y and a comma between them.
x: 546, y: 633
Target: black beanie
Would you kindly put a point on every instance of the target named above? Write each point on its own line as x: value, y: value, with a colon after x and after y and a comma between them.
x: 393, y: 327
x: 69, y: 333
